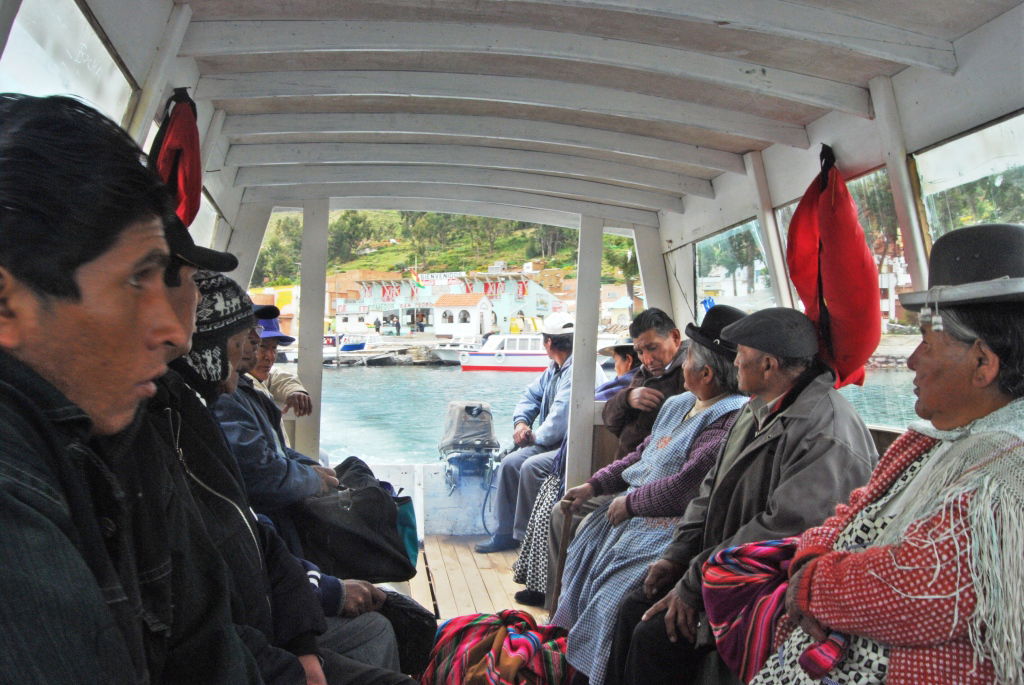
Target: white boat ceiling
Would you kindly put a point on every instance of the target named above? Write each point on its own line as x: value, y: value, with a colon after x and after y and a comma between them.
x: 535, y: 110
x: 668, y: 120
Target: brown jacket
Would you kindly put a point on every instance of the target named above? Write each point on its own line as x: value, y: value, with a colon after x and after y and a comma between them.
x: 632, y: 425
x: 788, y: 477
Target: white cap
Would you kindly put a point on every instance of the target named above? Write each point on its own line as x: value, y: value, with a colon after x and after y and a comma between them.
x: 558, y: 323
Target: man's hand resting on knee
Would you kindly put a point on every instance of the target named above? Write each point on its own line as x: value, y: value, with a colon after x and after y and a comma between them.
x: 661, y: 575
x: 522, y: 435
x: 361, y: 597
x: 680, y: 617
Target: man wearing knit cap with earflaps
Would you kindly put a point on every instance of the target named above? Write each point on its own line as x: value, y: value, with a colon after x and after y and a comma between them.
x: 276, y: 611
x: 796, y: 450
x: 276, y: 476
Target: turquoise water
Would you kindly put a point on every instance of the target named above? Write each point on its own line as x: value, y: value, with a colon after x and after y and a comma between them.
x: 395, y: 415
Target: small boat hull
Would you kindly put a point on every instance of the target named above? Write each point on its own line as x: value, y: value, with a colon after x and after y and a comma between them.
x: 504, y: 361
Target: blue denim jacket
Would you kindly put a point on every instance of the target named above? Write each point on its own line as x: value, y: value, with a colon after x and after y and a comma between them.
x: 103, y: 572
x: 547, y: 400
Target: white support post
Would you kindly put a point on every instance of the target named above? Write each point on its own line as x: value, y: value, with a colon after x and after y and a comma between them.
x: 890, y: 128
x: 315, y: 216
x: 212, y: 137
x: 774, y: 254
x: 156, y: 79
x: 652, y: 268
x: 8, y: 12
x: 245, y: 239
x: 584, y: 354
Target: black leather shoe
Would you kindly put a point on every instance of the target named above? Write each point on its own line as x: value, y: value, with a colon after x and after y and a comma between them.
x: 498, y: 543
x: 530, y: 598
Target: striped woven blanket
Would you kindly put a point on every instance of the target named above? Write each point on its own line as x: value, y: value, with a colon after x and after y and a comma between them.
x: 744, y: 597
x: 497, y: 649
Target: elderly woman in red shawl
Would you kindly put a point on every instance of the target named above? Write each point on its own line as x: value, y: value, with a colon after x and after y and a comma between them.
x: 921, y: 570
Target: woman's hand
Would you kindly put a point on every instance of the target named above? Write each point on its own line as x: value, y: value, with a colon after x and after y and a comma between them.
x: 618, y: 511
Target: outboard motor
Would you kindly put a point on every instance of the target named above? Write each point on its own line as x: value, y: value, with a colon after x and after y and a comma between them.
x: 468, y: 445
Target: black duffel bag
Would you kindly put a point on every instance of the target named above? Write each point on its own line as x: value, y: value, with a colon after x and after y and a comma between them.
x: 352, y: 533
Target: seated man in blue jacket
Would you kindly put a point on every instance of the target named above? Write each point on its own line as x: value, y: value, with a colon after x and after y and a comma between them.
x: 545, y: 402
x: 276, y: 476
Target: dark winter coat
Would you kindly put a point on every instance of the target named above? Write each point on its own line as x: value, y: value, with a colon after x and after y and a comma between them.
x: 108, y: 574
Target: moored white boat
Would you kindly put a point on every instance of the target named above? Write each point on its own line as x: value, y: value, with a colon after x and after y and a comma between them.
x: 450, y: 351
x: 514, y: 352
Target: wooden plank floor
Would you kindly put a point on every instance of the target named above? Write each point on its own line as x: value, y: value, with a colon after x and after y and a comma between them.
x: 455, y: 580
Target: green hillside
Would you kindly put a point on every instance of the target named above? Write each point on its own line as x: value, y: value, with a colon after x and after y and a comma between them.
x: 396, y: 241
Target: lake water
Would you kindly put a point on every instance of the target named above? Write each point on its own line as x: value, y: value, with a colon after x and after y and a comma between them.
x: 395, y: 415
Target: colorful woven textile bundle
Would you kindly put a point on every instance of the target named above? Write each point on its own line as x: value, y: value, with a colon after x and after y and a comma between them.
x: 497, y: 649
x: 744, y: 597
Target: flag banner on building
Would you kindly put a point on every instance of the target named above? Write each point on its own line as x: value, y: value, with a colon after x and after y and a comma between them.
x: 521, y: 290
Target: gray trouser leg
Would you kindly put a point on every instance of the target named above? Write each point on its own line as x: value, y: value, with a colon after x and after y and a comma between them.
x: 367, y: 638
x: 531, y: 474
x: 555, y: 537
x: 508, y: 487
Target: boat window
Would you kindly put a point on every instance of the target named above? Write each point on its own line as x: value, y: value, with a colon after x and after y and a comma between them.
x: 977, y: 178
x: 463, y: 316
x: 731, y: 269
x: 205, y: 223
x: 886, y: 398
x: 53, y: 50
x: 536, y: 344
x: 512, y: 344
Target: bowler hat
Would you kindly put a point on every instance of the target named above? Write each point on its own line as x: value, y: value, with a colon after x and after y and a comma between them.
x: 974, y: 265
x: 709, y: 333
x: 779, y: 331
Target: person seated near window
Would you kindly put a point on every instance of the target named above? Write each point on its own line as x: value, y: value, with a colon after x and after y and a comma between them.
x: 629, y: 413
x: 108, y: 575
x: 796, y: 450
x: 276, y: 476
x: 616, y: 543
x: 276, y: 612
x: 919, y: 574
x: 534, y: 567
x: 546, y: 402
x: 285, y: 387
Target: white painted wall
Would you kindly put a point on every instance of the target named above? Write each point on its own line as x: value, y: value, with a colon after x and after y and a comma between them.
x: 478, y: 314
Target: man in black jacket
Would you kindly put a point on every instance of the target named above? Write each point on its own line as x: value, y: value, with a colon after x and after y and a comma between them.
x: 108, y: 575
x: 274, y: 607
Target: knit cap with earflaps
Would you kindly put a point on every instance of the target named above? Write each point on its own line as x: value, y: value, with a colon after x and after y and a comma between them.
x: 224, y: 310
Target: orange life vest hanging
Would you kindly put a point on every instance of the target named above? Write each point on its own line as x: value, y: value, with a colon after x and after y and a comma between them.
x: 835, y: 274
x: 175, y: 155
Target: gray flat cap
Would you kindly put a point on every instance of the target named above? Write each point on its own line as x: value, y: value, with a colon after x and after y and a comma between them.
x: 779, y: 331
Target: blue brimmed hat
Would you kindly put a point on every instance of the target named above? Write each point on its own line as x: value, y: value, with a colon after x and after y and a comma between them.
x: 272, y: 329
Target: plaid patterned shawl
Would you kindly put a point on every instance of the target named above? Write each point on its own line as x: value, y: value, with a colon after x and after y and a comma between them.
x: 497, y: 649
x: 744, y: 597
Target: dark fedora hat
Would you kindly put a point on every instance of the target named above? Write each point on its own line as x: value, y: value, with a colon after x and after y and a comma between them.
x: 973, y: 265
x: 779, y: 331
x: 709, y: 333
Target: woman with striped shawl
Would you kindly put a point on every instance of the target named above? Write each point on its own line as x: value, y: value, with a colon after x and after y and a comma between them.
x: 614, y: 545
